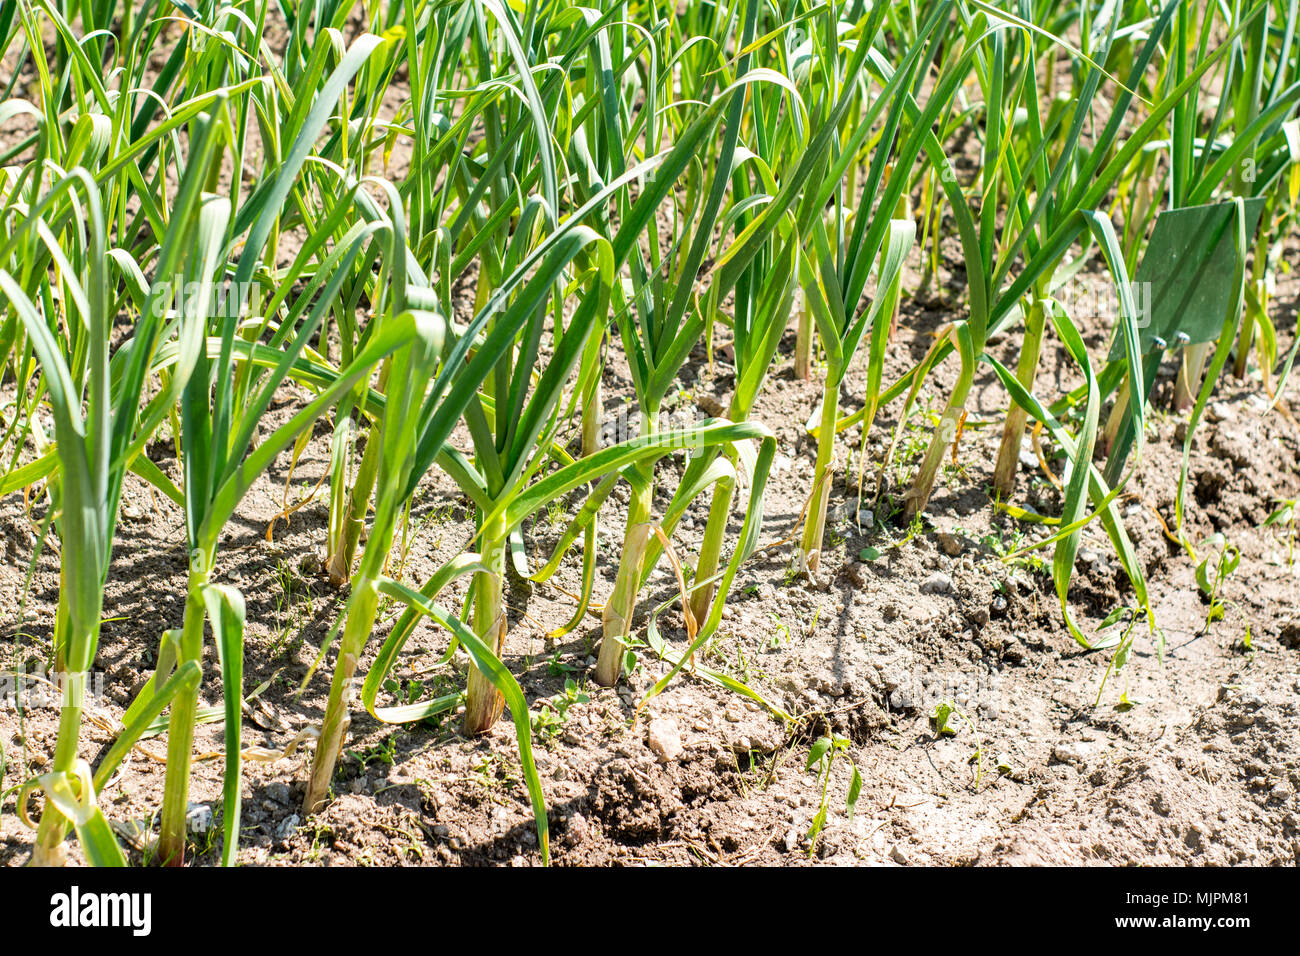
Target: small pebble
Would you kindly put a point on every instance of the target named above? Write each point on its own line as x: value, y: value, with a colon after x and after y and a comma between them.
x: 937, y: 583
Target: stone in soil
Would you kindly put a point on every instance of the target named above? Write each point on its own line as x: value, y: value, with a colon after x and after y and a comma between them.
x: 664, y: 738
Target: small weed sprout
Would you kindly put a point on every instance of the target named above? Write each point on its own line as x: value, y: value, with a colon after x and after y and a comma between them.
x: 822, y: 758
x: 1284, y: 516
x: 782, y: 632
x: 550, y: 715
x: 941, y: 720
x: 1213, y: 573
x: 1127, y: 618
